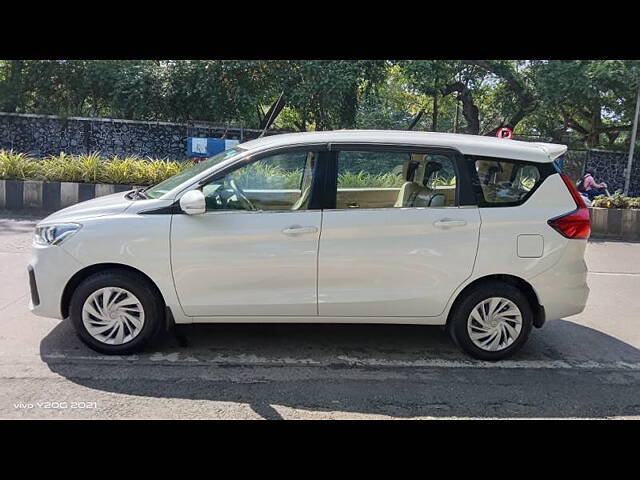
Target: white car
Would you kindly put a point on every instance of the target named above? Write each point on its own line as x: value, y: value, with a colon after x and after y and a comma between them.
x: 480, y: 235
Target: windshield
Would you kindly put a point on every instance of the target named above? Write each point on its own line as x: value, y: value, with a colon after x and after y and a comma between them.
x: 172, y: 182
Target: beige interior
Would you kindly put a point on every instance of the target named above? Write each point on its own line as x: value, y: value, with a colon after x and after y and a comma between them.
x: 389, y: 197
x: 410, y: 194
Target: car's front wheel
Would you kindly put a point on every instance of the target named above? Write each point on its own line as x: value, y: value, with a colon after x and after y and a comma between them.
x: 492, y: 321
x: 116, y: 312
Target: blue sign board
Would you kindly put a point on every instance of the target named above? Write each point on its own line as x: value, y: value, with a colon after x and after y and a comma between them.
x: 207, y: 147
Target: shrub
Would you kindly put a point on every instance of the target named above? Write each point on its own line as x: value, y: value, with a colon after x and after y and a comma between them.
x: 16, y: 165
x: 88, y: 168
x: 617, y: 200
x: 363, y: 179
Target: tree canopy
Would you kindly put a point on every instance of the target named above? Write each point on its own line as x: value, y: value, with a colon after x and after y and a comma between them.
x: 586, y: 103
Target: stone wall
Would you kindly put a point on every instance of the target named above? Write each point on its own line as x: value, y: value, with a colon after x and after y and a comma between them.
x: 610, y: 167
x: 42, y: 135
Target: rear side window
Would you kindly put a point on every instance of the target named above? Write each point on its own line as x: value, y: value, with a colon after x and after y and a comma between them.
x: 501, y: 182
x: 394, y: 179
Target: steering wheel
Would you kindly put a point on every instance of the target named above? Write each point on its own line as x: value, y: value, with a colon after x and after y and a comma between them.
x: 241, y: 196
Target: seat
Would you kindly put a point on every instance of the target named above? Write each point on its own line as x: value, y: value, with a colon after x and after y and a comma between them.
x: 407, y: 193
x: 409, y: 188
x: 302, y: 201
x: 412, y: 194
x: 307, y: 178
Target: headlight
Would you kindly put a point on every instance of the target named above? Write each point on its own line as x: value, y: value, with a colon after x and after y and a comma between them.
x: 54, y: 234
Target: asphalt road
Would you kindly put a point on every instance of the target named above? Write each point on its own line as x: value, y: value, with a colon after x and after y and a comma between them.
x: 587, y: 366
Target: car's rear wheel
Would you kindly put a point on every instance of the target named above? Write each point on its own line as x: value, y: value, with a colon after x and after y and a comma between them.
x: 116, y: 312
x: 492, y: 321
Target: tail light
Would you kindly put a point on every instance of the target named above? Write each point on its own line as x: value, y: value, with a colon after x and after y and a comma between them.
x: 575, y: 224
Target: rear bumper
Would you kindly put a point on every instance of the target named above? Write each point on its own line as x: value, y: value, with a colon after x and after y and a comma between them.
x: 562, y: 290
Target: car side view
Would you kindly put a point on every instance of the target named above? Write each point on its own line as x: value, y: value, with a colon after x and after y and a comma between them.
x: 480, y: 235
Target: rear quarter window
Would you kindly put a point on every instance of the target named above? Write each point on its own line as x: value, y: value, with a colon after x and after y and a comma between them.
x: 499, y: 182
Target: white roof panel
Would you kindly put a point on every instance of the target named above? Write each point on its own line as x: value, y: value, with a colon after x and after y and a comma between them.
x: 465, y: 144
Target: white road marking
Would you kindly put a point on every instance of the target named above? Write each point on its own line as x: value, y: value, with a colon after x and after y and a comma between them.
x: 254, y: 360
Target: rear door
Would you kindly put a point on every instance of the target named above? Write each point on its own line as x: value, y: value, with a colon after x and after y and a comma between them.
x: 398, y: 242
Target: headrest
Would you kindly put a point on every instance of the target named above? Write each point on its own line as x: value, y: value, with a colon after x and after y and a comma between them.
x: 411, y: 170
x: 431, y: 168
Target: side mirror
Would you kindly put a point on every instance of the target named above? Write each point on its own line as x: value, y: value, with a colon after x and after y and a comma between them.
x: 193, y: 202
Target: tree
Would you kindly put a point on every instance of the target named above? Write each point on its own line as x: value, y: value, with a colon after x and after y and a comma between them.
x: 592, y: 98
x: 324, y: 94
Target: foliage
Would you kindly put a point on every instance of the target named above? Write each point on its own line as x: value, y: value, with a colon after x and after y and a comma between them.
x: 16, y: 165
x: 261, y: 175
x: 444, y: 181
x: 617, y: 200
x: 132, y: 170
x: 587, y: 103
x: 89, y: 168
x: 363, y: 179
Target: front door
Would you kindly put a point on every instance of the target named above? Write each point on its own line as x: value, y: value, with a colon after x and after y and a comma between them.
x: 397, y: 244
x: 254, y: 252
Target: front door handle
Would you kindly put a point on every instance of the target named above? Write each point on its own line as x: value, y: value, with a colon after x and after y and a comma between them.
x: 297, y: 230
x: 448, y: 223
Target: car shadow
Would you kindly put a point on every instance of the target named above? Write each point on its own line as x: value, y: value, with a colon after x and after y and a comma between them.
x: 564, y: 370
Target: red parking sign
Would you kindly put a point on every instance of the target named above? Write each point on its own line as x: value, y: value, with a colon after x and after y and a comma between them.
x: 505, y: 132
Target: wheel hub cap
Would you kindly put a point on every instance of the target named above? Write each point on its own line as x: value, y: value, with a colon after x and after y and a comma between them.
x: 494, y: 324
x: 113, y: 315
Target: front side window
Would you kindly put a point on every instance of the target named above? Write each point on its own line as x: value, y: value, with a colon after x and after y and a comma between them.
x: 504, y: 182
x: 379, y: 179
x: 277, y: 182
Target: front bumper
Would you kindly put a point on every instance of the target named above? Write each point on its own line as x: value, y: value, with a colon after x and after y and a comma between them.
x: 50, y: 269
x: 33, y: 288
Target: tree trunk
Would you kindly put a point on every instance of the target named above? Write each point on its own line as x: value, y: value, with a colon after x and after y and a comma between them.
x: 434, y: 115
x: 469, y: 109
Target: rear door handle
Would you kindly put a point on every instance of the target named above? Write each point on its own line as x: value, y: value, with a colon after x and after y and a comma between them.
x: 297, y: 230
x: 446, y: 223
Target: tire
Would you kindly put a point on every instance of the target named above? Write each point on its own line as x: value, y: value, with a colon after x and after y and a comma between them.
x: 139, y: 299
x: 508, y: 343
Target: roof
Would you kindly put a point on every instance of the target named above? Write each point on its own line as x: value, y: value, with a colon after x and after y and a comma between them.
x: 465, y: 144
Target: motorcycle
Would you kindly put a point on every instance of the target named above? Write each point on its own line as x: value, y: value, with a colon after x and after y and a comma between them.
x: 588, y: 201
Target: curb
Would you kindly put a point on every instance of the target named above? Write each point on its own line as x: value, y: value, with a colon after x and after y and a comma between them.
x: 621, y: 224
x: 41, y: 195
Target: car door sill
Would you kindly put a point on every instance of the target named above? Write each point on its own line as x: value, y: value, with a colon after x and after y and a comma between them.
x: 439, y: 320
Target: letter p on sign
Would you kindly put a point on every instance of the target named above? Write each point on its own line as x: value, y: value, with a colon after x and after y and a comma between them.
x: 505, y: 132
